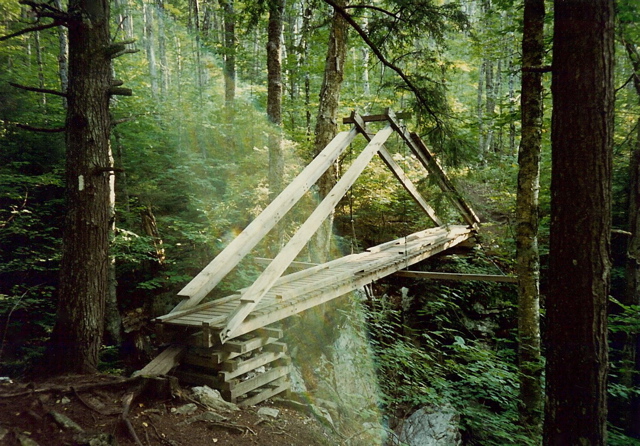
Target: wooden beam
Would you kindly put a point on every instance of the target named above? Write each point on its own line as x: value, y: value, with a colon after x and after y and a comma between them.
x: 457, y: 276
x: 299, y: 240
x: 429, y: 161
x: 374, y: 118
x: 301, y: 265
x: 211, y: 275
x: 360, y: 124
x: 164, y: 362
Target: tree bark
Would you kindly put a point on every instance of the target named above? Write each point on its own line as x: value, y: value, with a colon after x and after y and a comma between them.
x: 579, y: 269
x: 631, y: 349
x: 274, y: 96
x: 63, y: 56
x: 327, y: 122
x: 229, y: 53
x: 527, y: 206
x: 77, y: 335
x: 149, y: 40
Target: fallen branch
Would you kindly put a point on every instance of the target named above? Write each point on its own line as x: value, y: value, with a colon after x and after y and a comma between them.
x: 70, y: 389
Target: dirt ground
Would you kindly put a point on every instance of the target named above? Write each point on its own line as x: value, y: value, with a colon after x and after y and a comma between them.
x: 106, y: 410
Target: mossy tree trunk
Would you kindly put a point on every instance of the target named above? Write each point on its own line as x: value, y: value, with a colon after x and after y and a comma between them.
x: 528, y: 257
x: 327, y: 122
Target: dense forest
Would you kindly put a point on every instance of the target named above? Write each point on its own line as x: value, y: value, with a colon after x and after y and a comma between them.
x: 139, y: 137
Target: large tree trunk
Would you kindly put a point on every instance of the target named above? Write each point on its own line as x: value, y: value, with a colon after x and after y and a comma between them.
x: 327, y: 122
x: 579, y: 269
x: 527, y: 256
x: 631, y: 349
x: 77, y: 335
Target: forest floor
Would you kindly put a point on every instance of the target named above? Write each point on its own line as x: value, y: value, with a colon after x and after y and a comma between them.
x: 104, y: 410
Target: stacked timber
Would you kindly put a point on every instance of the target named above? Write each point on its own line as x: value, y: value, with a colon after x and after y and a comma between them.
x: 246, y: 370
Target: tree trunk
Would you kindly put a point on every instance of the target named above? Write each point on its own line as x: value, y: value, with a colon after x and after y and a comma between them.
x: 327, y: 122
x: 527, y: 256
x: 84, y: 269
x: 632, y: 342
x: 579, y: 269
x: 229, y: 53
x: 63, y: 55
x: 149, y: 40
x: 631, y: 349
x: 162, y: 50
x: 274, y: 96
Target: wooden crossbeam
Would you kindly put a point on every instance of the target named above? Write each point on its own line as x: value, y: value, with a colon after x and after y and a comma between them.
x: 456, y: 276
x: 275, y: 269
x: 210, y: 276
x: 374, y: 118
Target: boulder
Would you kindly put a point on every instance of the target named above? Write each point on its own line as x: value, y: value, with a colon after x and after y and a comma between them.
x: 212, y: 399
x: 432, y: 427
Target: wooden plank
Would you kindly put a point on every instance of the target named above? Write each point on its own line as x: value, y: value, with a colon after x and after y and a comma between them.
x: 299, y: 240
x: 294, y: 264
x: 242, y: 347
x: 164, y: 362
x: 270, y: 390
x: 239, y: 367
x: 211, y: 275
x: 412, y: 237
x: 198, y: 378
x: 457, y: 276
x: 214, y: 303
x: 237, y: 388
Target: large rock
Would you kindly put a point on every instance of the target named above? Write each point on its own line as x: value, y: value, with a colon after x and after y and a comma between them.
x: 432, y: 427
x: 212, y: 399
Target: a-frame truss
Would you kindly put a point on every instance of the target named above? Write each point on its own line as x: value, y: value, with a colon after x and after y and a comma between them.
x: 209, y: 277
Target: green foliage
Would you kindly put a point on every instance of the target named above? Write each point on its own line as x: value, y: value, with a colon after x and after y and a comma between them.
x: 443, y: 369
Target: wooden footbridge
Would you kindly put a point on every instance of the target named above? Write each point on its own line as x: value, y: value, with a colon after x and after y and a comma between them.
x: 232, y: 343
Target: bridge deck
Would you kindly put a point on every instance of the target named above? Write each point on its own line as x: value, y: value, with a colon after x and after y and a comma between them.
x: 299, y: 291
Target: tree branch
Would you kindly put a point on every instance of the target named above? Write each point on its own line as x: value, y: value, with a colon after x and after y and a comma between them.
x: 363, y: 35
x: 116, y: 122
x: 122, y: 91
x: 40, y: 129
x: 38, y: 90
x: 30, y: 29
x: 46, y: 10
x: 373, y: 8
